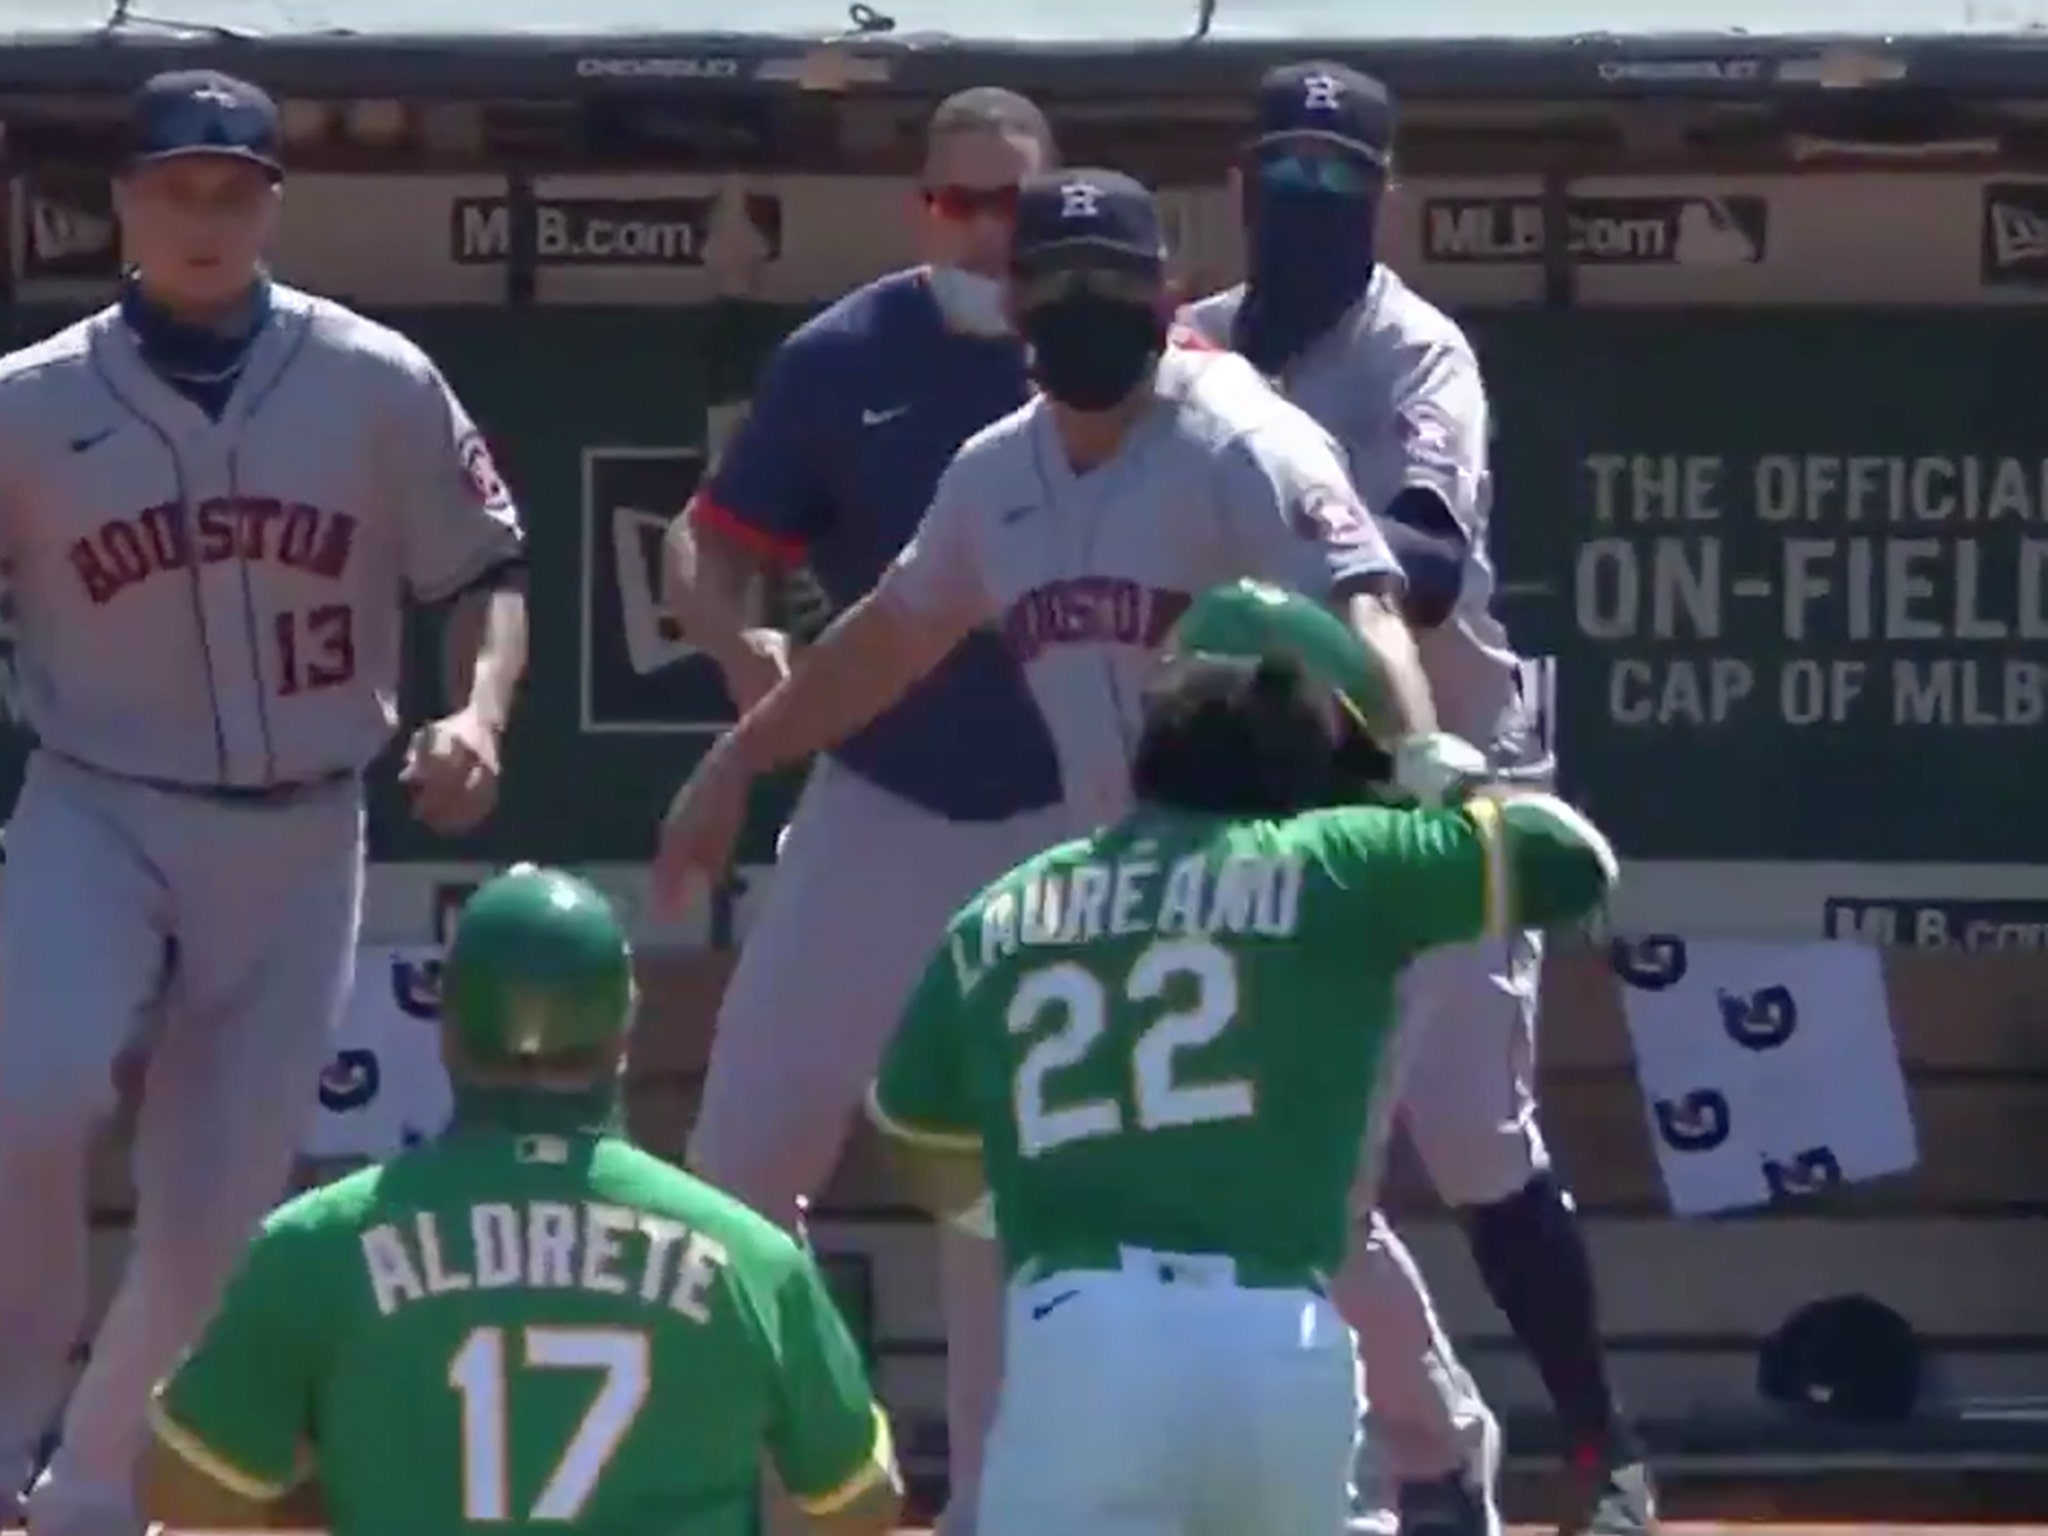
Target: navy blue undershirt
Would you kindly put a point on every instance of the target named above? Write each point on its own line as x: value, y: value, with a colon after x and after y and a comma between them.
x: 201, y: 362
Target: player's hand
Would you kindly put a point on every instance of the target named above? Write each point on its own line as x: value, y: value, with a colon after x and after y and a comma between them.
x: 757, y: 660
x: 701, y: 829
x: 1436, y: 768
x: 451, y: 767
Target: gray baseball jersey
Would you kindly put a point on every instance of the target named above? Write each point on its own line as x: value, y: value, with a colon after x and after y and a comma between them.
x: 1083, y: 575
x: 220, y: 603
x: 1397, y: 384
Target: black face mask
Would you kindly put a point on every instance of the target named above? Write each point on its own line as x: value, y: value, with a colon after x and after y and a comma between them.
x: 1311, y: 257
x: 1089, y: 352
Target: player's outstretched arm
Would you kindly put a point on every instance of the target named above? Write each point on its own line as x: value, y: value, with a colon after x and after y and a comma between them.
x: 1299, y: 524
x: 875, y: 652
x: 1404, y: 708
x: 863, y: 663
x: 462, y: 543
x: 1426, y: 475
x: 1503, y: 861
x: 867, y: 659
x: 232, y: 1426
x: 180, y: 1497
x: 453, y: 763
x: 938, y: 1172
x: 711, y: 585
x: 485, y: 661
x: 1560, y: 867
x: 830, y: 1441
x: 768, y: 498
x: 709, y: 578
x: 921, y: 1101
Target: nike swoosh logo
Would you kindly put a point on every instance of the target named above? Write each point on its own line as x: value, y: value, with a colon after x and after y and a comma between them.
x: 1046, y: 1308
x: 91, y: 440
x: 876, y: 418
x: 1015, y: 515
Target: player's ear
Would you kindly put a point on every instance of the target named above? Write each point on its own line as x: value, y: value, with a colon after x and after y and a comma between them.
x: 1173, y: 295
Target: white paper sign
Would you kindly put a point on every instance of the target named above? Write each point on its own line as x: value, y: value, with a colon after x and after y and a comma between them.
x: 1769, y: 1071
x: 384, y: 1087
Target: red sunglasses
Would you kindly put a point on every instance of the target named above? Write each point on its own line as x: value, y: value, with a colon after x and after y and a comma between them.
x: 959, y: 205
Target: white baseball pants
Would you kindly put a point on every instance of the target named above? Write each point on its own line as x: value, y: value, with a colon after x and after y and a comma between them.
x: 1163, y: 1398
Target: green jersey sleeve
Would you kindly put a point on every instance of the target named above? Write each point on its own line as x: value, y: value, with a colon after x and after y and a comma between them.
x: 239, y: 1407
x: 829, y: 1437
x: 922, y: 1094
x: 1489, y: 866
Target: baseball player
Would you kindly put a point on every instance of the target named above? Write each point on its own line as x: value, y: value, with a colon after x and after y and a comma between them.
x: 1163, y: 1043
x: 1076, y: 529
x: 529, y: 1323
x: 215, y: 496
x: 855, y: 418
x: 1397, y: 384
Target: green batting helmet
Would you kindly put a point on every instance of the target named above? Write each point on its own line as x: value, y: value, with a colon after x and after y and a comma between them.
x: 540, y: 966
x: 1256, y: 618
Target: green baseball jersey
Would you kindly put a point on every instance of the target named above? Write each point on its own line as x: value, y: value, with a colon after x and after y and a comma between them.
x: 1171, y: 1034
x: 526, y: 1330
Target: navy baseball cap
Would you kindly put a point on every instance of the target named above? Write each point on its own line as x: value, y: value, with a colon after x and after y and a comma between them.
x: 1084, y: 215
x: 203, y: 112
x: 1330, y: 102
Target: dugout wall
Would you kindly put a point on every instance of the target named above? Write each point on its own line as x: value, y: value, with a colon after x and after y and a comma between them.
x: 1763, y: 319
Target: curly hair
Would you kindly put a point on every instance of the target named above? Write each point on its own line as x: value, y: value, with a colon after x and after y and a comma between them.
x: 1235, y: 736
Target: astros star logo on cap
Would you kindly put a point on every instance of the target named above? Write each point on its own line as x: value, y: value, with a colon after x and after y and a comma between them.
x: 1322, y: 93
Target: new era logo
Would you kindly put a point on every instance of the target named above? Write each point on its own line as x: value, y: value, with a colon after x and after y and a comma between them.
x: 67, y: 229
x: 63, y: 229
x: 2017, y: 234
x: 2014, y: 238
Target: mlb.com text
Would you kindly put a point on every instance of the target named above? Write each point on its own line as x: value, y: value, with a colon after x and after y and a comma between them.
x: 666, y: 231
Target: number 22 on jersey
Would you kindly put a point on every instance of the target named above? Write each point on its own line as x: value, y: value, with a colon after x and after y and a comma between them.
x: 1161, y: 1094
x: 483, y: 1377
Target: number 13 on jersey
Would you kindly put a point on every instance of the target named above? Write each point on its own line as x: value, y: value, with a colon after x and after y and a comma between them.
x: 316, y: 648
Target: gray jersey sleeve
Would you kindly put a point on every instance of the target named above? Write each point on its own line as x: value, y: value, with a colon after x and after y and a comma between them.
x: 1289, y: 507
x: 1436, y: 436
x: 459, y: 518
x: 938, y: 574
